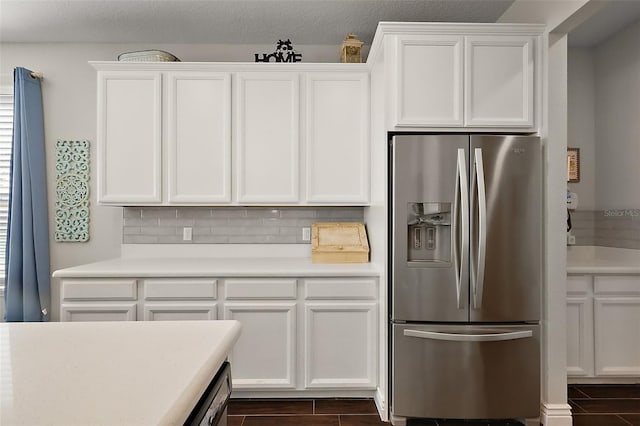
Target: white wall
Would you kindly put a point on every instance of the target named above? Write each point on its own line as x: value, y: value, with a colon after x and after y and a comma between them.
x: 581, y: 129
x: 617, y: 112
x: 559, y: 16
x: 553, y: 13
x: 69, y: 98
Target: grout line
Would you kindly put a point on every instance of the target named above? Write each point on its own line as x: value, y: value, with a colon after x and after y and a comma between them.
x: 578, y: 405
x: 580, y: 390
x: 624, y: 420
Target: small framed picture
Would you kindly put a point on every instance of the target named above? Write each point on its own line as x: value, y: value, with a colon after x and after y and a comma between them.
x: 573, y: 165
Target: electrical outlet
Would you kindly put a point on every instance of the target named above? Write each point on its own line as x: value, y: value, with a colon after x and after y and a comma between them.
x: 306, y: 234
x: 571, y: 240
x: 187, y: 233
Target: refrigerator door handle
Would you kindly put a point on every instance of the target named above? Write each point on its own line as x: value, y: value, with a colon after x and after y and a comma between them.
x: 460, y: 253
x: 454, y: 337
x: 477, y: 279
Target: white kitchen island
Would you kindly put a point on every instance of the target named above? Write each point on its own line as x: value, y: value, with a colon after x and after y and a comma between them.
x: 108, y: 373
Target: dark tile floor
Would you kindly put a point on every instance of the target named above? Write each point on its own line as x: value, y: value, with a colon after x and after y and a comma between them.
x: 592, y: 405
x: 304, y: 412
x: 605, y: 405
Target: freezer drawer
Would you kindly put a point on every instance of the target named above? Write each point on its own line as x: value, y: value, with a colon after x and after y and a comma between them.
x: 465, y: 372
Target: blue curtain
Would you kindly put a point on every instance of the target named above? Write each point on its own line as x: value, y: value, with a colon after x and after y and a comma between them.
x: 27, y: 288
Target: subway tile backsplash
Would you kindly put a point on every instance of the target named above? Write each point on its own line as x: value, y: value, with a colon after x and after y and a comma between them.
x: 228, y: 225
x: 607, y: 228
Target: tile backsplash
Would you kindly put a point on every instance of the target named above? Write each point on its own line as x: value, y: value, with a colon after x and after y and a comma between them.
x: 607, y: 228
x: 231, y: 225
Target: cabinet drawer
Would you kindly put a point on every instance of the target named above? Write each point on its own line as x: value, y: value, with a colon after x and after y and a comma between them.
x: 111, y: 289
x: 617, y: 285
x: 159, y: 289
x: 337, y: 288
x: 261, y: 288
x: 579, y: 284
x: 189, y: 311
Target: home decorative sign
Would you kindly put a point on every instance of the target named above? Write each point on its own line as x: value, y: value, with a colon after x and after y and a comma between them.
x: 284, y: 53
x: 72, y: 191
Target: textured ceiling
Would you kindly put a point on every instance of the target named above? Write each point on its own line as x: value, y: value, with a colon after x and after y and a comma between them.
x: 224, y: 21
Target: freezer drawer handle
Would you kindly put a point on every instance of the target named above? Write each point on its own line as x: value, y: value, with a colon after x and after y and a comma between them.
x: 460, y: 254
x: 469, y: 337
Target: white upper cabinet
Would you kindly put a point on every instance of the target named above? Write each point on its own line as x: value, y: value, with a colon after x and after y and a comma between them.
x: 226, y: 134
x: 429, y: 81
x: 129, y: 137
x: 199, y: 137
x: 267, y: 132
x: 337, y: 138
x: 499, y: 81
x: 483, y: 77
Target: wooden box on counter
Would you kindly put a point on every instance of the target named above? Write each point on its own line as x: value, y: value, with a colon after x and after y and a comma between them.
x: 339, y: 242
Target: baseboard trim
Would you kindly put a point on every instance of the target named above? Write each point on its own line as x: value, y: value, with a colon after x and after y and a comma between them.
x: 556, y: 415
x: 381, y: 405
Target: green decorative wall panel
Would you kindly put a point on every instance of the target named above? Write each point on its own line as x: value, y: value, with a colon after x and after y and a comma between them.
x: 72, y: 191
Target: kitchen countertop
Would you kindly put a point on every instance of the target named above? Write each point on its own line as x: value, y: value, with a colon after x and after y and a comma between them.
x: 108, y: 373
x: 216, y: 267
x: 602, y: 260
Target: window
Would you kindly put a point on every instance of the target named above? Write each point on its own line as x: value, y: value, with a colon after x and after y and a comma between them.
x: 6, y: 130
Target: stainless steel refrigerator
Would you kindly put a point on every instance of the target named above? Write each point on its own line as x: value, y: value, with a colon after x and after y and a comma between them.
x: 465, y: 276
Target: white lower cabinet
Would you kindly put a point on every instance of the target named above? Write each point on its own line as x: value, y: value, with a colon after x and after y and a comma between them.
x: 98, y: 311
x: 176, y: 299
x: 603, y: 336
x: 265, y: 354
x: 326, y: 331
x: 616, y: 311
x: 579, y: 325
x: 340, y: 345
x: 341, y: 333
x: 97, y: 299
x: 298, y: 334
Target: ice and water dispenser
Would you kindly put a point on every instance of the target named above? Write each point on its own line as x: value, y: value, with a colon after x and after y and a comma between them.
x: 429, y: 232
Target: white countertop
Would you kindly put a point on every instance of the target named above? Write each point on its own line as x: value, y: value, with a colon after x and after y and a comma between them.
x: 216, y: 267
x: 108, y: 373
x: 602, y: 260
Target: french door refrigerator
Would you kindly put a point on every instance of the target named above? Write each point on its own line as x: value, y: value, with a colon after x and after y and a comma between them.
x: 465, y: 280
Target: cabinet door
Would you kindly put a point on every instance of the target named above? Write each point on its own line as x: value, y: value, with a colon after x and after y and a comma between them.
x: 199, y: 138
x: 267, y: 134
x: 129, y: 138
x: 98, y: 311
x: 499, y: 81
x: 180, y: 311
x: 264, y: 356
x: 579, y: 326
x: 337, y: 138
x: 429, y: 81
x: 340, y: 345
x: 617, y: 331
